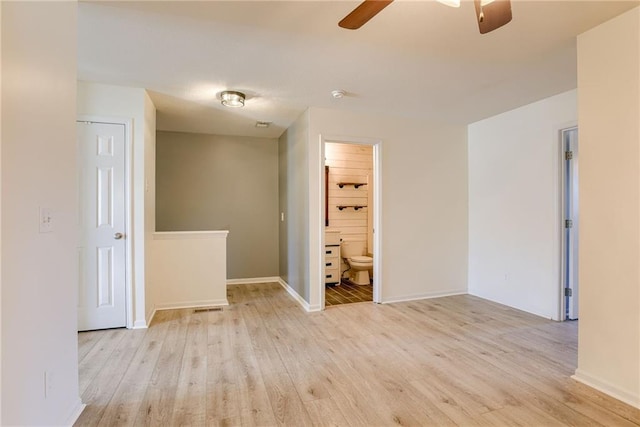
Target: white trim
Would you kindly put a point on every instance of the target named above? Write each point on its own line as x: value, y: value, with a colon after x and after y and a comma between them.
x: 377, y: 210
x: 191, y: 304
x: 560, y: 314
x: 428, y: 295
x: 128, y: 174
x: 607, y: 388
x: 184, y: 235
x: 253, y: 280
x: 74, y: 413
x: 298, y: 298
x: 140, y: 324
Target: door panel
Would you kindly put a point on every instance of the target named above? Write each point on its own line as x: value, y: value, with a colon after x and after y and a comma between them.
x: 102, y: 251
x: 570, y: 213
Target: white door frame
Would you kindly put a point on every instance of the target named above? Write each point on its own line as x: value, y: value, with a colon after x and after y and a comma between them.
x: 563, y: 216
x: 128, y: 147
x: 377, y: 209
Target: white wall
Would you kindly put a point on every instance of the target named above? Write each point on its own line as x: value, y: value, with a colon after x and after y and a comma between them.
x: 39, y: 271
x: 131, y: 104
x: 0, y: 207
x: 609, y: 120
x: 350, y: 163
x: 189, y: 269
x: 424, y: 236
x: 149, y: 194
x: 514, y: 205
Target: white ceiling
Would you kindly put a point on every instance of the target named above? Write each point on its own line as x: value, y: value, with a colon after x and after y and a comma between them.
x: 417, y: 59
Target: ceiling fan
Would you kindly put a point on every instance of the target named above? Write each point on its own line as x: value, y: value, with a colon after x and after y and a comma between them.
x: 490, y: 14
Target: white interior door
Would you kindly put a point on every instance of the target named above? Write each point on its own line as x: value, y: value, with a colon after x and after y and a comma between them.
x: 102, y: 251
x: 571, y: 218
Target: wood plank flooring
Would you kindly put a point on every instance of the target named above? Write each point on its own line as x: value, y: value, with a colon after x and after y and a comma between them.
x: 347, y: 293
x: 263, y: 361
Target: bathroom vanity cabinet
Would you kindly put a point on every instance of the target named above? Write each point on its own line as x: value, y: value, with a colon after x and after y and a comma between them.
x: 332, y: 258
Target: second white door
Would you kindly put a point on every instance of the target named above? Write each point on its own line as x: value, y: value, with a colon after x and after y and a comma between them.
x: 102, y: 249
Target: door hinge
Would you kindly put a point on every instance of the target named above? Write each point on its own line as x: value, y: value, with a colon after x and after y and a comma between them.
x: 568, y: 223
x: 568, y: 155
x: 568, y: 292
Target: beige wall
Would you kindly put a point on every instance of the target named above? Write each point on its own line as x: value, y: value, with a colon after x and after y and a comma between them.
x: 39, y: 270
x: 609, y: 122
x: 133, y: 104
x: 214, y: 182
x: 424, y: 236
x: 514, y: 210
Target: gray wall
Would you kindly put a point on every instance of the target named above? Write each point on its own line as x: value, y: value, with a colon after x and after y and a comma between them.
x: 213, y: 182
x: 294, y: 203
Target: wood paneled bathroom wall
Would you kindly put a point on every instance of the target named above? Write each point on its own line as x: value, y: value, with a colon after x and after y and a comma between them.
x: 351, y: 164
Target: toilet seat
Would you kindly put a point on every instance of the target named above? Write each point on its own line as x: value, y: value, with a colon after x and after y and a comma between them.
x: 362, y: 259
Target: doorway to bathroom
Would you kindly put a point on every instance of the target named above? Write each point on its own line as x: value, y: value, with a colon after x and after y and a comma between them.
x: 351, y: 201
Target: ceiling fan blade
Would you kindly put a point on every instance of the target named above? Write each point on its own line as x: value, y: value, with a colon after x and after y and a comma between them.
x: 493, y: 14
x: 363, y: 13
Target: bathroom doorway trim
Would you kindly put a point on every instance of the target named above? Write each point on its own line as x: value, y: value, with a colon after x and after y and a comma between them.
x: 377, y: 210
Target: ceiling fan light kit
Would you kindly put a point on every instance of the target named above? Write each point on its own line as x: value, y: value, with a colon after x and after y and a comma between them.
x: 232, y: 98
x: 490, y: 14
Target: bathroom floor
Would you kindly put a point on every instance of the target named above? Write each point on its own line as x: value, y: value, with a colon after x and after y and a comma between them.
x: 347, y: 293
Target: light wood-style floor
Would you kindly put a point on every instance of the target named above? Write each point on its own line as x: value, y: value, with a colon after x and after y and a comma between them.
x: 264, y: 361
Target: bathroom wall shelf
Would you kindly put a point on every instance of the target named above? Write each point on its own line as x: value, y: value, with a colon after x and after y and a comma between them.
x: 355, y: 207
x: 355, y: 184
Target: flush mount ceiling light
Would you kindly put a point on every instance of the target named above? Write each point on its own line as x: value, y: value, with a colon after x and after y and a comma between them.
x: 231, y: 98
x: 452, y: 3
x: 337, y: 94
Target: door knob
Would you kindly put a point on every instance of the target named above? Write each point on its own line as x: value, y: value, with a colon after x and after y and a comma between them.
x: 118, y: 236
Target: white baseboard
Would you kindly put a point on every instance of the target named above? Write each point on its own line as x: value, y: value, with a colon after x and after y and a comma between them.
x: 151, y: 316
x: 427, y: 295
x: 297, y: 297
x: 253, y: 280
x: 74, y: 412
x: 191, y: 304
x: 511, y: 304
x: 607, y: 388
x: 140, y: 324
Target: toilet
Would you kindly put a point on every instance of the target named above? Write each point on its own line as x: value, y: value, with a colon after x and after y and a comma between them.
x: 359, y: 265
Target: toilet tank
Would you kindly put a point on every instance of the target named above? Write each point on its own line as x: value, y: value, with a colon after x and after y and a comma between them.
x: 351, y: 249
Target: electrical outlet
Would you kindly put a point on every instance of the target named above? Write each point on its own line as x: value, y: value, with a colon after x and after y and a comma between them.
x: 45, y: 223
